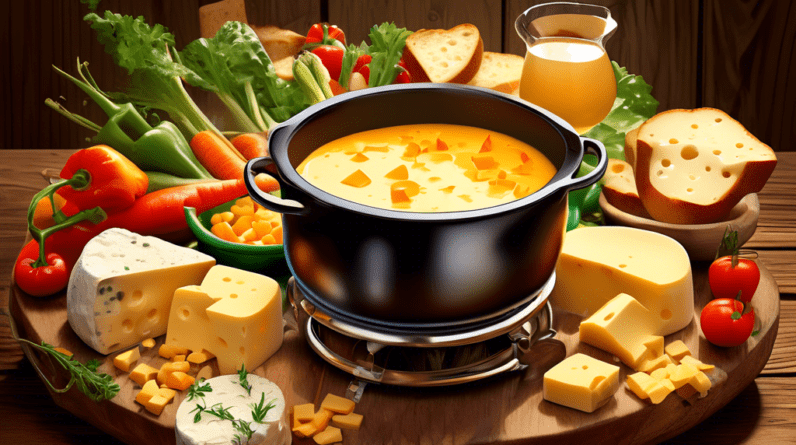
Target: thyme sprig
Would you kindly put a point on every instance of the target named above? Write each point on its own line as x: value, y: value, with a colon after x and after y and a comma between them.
x: 217, y: 410
x: 96, y: 386
x: 198, y: 390
x: 259, y: 411
x: 244, y: 429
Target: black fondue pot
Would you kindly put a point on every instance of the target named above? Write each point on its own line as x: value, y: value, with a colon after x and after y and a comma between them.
x: 412, y: 270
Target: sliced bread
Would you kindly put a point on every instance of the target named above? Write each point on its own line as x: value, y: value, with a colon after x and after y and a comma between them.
x: 500, y: 72
x: 282, y: 45
x: 693, y: 166
x: 620, y: 190
x: 438, y: 55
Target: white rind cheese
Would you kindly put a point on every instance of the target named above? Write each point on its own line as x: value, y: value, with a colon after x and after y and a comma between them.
x: 227, y: 391
x: 121, y: 288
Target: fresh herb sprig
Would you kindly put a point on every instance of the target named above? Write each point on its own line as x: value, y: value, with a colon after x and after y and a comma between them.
x: 259, y: 411
x: 217, y: 410
x: 96, y: 386
x: 244, y: 429
x: 198, y: 389
x: 243, y: 379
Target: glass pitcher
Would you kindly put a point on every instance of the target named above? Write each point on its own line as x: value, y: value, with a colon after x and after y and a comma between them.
x: 566, y: 69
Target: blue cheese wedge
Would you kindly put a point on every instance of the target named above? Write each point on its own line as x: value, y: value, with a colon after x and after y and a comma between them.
x: 121, y: 288
x: 227, y: 392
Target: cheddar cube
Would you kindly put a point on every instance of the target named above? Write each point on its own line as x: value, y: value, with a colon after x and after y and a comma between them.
x: 700, y: 382
x: 167, y: 393
x: 351, y: 421
x: 658, y: 392
x: 398, y: 173
x: 359, y: 157
x: 696, y: 363
x: 328, y: 435
x: 156, y: 404
x: 337, y: 404
x: 656, y: 363
x: 677, y: 350
x: 304, y: 413
x: 169, y: 351
x: 143, y: 373
x: 179, y: 380
x: 666, y: 383
x: 149, y: 390
x: 321, y: 419
x: 304, y: 430
x: 199, y: 357
x: 639, y: 382
x: 683, y: 374
x: 148, y: 343
x: 581, y: 382
x: 170, y: 367
x: 178, y: 358
x: 659, y: 374
x: 126, y: 359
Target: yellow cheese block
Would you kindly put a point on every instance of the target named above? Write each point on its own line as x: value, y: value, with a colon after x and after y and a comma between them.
x: 328, y: 436
x: 337, y: 404
x: 653, y: 364
x: 696, y: 363
x: 647, y: 387
x: 683, y: 374
x: 581, y: 382
x: 677, y: 350
x: 234, y: 314
x: 143, y: 373
x: 126, y: 359
x: 597, y: 263
x: 701, y: 383
x: 304, y: 412
x: 350, y: 421
x: 624, y: 328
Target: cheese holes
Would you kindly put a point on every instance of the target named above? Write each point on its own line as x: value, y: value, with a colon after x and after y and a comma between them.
x: 127, y: 325
x: 673, y: 141
x: 716, y: 152
x: 739, y: 145
x: 239, y: 282
x: 665, y: 163
x: 585, y: 367
x: 609, y: 316
x: 233, y: 295
x: 152, y: 314
x: 185, y: 313
x: 707, y: 168
x: 689, y: 190
x: 622, y: 266
x: 689, y: 152
x: 718, y: 119
x: 694, y: 126
x: 596, y: 381
x: 726, y: 174
x: 666, y: 314
x: 226, y: 279
x: 222, y: 342
x: 618, y: 168
x: 136, y: 297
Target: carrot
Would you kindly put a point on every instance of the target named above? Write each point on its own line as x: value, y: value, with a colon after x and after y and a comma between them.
x: 251, y: 145
x: 217, y: 155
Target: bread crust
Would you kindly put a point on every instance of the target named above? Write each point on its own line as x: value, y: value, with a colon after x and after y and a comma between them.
x: 673, y: 210
x: 418, y: 73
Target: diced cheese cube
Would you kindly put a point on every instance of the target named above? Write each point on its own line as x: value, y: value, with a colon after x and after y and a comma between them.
x: 666, y: 383
x: 169, y: 367
x: 624, y: 328
x: 581, y: 382
x: 199, y: 357
x: 398, y: 173
x: 304, y: 412
x: 350, y: 421
x: 321, y: 419
x: 126, y: 359
x: 683, y: 374
x: 148, y: 342
x: 697, y: 363
x: 304, y: 430
x: 143, y: 373
x: 170, y: 351
x: 701, y: 383
x: 639, y: 382
x: 328, y: 436
x: 167, y: 393
x: 598, y: 263
x: 656, y: 363
x: 121, y: 288
x: 658, y: 392
x: 234, y: 314
x: 659, y: 374
x: 179, y: 358
x: 337, y: 404
x: 156, y: 404
x: 677, y: 350
x: 149, y: 390
x: 357, y: 179
x: 179, y: 380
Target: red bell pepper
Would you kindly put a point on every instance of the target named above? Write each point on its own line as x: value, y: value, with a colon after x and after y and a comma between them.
x: 323, y: 34
x: 332, y: 59
x: 113, y: 182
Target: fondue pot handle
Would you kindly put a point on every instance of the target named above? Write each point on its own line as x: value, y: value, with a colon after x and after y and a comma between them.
x: 595, y: 147
x: 268, y: 200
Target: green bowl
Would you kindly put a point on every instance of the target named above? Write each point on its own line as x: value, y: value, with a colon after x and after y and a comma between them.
x: 262, y: 259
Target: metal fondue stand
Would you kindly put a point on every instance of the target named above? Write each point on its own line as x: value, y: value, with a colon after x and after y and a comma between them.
x: 522, y: 339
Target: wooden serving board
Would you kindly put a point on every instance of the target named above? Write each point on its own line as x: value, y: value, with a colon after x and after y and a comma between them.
x: 507, y: 408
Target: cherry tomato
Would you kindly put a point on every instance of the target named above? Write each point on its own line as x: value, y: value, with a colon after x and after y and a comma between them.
x: 361, y: 66
x: 325, y: 34
x: 724, y: 323
x: 403, y: 76
x: 726, y: 281
x: 43, y: 280
x: 332, y: 59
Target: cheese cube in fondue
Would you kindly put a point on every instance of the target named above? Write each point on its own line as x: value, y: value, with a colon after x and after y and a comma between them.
x: 417, y: 168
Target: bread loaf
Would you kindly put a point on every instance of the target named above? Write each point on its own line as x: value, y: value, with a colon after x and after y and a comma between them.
x: 438, y: 55
x: 500, y: 72
x: 693, y: 166
x: 620, y: 190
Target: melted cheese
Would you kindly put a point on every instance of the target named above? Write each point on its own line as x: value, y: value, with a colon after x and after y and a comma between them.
x: 428, y: 168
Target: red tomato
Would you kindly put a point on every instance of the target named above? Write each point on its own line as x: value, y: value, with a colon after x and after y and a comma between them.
x: 325, y: 34
x: 719, y: 325
x: 43, y: 280
x: 361, y: 66
x: 726, y: 281
x: 332, y: 59
x: 403, y: 76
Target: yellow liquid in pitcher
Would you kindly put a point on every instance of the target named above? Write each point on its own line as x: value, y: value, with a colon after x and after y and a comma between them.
x: 572, y: 78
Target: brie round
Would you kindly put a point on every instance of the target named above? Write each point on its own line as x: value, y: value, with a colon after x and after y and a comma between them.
x: 226, y: 390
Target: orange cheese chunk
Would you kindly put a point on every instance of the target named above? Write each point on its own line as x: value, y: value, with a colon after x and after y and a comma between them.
x: 487, y: 146
x: 126, y: 359
x: 149, y: 390
x: 148, y: 343
x: 357, y: 179
x: 350, y: 421
x: 696, y: 363
x: 328, y: 436
x: 179, y: 380
x: 412, y: 150
x: 156, y: 404
x: 441, y: 145
x: 359, y: 157
x: 170, y: 367
x: 399, y: 173
x: 483, y: 162
x: 143, y: 373
x: 337, y: 404
x: 304, y: 413
x: 199, y: 357
x: 169, y: 351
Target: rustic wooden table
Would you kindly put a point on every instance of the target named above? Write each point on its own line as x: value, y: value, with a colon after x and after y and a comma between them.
x: 764, y: 412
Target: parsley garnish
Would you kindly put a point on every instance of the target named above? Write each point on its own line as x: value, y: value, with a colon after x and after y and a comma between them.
x: 198, y: 390
x: 242, y: 379
x: 259, y: 411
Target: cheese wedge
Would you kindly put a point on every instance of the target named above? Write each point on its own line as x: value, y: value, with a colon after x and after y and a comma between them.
x: 121, y: 288
x: 581, y: 382
x: 598, y: 263
x: 235, y: 315
x: 694, y: 166
x: 620, y: 188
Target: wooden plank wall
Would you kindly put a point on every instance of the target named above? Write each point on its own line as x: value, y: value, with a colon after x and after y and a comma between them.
x: 736, y: 55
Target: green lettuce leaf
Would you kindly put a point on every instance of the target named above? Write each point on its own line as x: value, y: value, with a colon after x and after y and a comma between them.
x: 386, y: 48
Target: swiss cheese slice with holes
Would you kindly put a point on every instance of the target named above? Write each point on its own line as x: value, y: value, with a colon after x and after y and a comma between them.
x: 620, y: 189
x: 121, y: 288
x: 694, y: 166
x: 234, y: 314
